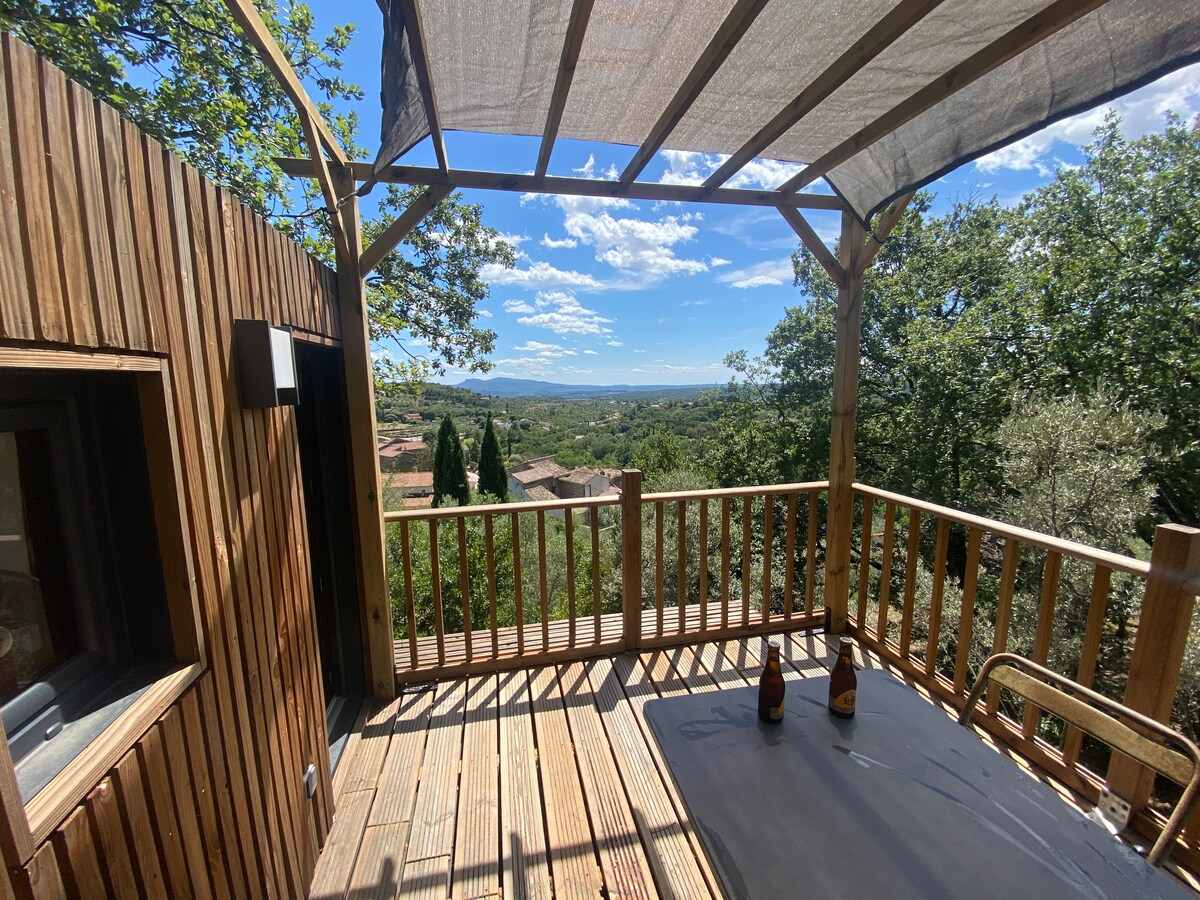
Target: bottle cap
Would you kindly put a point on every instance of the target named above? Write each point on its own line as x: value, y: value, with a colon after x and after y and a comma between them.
x: 847, y: 642
x: 774, y: 645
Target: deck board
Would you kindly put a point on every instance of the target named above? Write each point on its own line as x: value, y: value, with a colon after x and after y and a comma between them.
x: 542, y: 782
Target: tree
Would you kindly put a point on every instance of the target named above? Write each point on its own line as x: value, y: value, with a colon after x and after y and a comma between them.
x: 186, y: 75
x: 1110, y: 271
x: 492, y: 477
x: 449, y: 470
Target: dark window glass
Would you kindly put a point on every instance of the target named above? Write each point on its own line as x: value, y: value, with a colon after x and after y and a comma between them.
x: 84, y: 625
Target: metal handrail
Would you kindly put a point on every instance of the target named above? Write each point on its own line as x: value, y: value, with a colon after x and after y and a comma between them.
x: 1162, y: 846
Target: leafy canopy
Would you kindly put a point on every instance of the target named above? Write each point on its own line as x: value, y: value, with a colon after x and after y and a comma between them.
x: 184, y: 73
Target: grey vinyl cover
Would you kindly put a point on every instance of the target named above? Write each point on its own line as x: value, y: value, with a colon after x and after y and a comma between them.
x: 494, y: 64
x: 899, y: 801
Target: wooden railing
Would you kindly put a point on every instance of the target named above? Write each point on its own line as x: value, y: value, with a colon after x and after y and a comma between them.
x: 939, y: 590
x: 728, y: 561
x: 479, y: 588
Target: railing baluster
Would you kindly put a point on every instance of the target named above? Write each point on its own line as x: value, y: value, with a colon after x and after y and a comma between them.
x: 658, y: 569
x: 885, y: 574
x: 703, y: 548
x: 810, y: 557
x: 1008, y: 583
x: 864, y: 560
x: 768, y: 525
x: 410, y: 604
x: 789, y: 568
x: 910, y: 581
x: 436, y: 579
x: 1089, y: 653
x: 490, y: 550
x: 966, y: 612
x: 725, y: 561
x: 747, y: 535
x: 464, y: 585
x: 518, y: 600
x: 1045, y: 631
x: 682, y: 563
x: 595, y: 575
x: 543, y: 588
x: 935, y: 597
x: 569, y: 517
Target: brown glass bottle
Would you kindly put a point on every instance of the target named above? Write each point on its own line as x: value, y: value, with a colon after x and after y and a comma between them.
x: 771, y: 687
x: 843, y: 683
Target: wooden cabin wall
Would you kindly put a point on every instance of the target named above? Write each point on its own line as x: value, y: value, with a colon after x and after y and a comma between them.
x: 110, y: 243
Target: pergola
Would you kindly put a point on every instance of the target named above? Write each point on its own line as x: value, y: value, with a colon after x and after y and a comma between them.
x: 876, y: 97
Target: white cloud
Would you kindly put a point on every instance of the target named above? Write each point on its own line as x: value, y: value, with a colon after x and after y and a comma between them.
x: 562, y: 313
x: 517, y: 306
x: 613, y: 344
x: 673, y: 369
x: 763, y: 274
x: 539, y: 275
x: 691, y: 167
x: 545, y: 351
x: 591, y: 353
x: 642, y: 250
x: 1141, y: 111
x: 486, y: 313
x: 554, y: 244
x: 715, y: 261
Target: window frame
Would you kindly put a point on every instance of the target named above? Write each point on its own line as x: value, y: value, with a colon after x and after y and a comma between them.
x: 25, y: 826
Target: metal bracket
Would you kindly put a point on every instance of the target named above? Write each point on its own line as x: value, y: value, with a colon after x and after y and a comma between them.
x: 1112, y: 812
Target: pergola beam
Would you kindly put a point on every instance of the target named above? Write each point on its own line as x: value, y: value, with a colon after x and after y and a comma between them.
x: 876, y: 237
x: 581, y: 11
x: 401, y: 226
x: 815, y: 245
x: 1011, y: 44
x: 420, y: 61
x: 736, y: 24
x: 579, y: 187
x: 259, y: 35
x: 882, y: 35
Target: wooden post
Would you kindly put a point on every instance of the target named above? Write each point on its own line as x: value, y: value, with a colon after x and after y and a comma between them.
x: 375, y: 603
x: 1162, y: 634
x: 841, y: 439
x: 631, y: 557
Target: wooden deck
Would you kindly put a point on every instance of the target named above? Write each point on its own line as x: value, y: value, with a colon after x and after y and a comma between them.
x: 533, y: 782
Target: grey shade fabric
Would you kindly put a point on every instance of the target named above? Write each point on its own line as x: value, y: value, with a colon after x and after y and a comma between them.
x: 493, y: 67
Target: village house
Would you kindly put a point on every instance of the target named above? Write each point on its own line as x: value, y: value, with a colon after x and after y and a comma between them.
x: 401, y: 454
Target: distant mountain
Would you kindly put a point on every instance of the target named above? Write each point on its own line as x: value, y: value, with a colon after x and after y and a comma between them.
x: 525, y: 387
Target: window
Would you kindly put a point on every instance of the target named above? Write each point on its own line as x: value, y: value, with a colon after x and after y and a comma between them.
x: 84, y: 623
x: 99, y: 616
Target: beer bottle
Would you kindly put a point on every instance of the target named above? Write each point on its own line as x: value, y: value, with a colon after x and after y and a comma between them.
x: 770, y: 687
x: 843, y: 683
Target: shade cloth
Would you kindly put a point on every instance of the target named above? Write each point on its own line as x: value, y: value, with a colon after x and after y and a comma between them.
x: 493, y: 66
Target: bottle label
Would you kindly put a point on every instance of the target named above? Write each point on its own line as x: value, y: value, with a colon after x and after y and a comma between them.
x: 843, y: 702
x: 775, y: 713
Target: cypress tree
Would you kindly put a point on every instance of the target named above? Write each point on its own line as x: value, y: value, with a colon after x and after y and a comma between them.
x: 492, y: 477
x: 449, y: 470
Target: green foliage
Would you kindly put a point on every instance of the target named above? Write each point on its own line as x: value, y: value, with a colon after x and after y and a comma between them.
x: 492, y: 477
x: 449, y: 468
x: 185, y: 74
x: 1110, y: 269
x: 660, y: 454
x: 1093, y: 280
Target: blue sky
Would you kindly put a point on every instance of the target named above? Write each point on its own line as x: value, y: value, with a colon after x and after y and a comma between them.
x: 614, y: 291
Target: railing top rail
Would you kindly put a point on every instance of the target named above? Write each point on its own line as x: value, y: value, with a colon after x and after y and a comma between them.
x: 458, y: 512
x: 751, y: 491
x: 1114, y: 561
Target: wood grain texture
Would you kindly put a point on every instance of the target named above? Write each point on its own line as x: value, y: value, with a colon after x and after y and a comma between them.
x: 114, y: 251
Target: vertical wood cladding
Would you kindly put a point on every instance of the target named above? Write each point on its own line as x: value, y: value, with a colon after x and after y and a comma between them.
x: 110, y: 242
